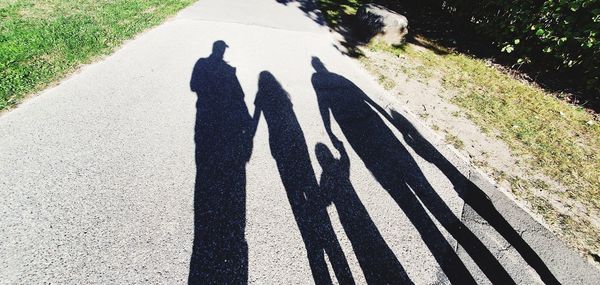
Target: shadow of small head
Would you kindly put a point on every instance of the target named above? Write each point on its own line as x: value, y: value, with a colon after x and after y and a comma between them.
x: 268, y: 84
x: 318, y: 64
x: 218, y: 49
x: 266, y: 80
x: 324, y: 156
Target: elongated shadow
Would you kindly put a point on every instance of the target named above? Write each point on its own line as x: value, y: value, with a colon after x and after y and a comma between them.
x: 395, y: 169
x: 473, y: 196
x: 223, y: 139
x: 289, y: 149
x: 376, y: 259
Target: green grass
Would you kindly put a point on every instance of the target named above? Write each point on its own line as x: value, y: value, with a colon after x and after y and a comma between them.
x: 335, y: 11
x: 41, y: 41
x: 563, y: 139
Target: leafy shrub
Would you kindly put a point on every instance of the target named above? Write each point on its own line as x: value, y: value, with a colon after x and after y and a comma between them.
x: 562, y: 35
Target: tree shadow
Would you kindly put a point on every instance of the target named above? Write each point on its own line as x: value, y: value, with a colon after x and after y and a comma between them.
x: 340, y: 23
x: 289, y: 149
x: 395, y: 169
x: 376, y: 259
x: 472, y: 195
x: 223, y: 138
x: 339, y: 16
x: 309, y: 8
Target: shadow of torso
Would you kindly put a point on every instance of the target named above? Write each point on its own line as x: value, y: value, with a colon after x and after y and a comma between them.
x: 289, y: 149
x: 223, y: 139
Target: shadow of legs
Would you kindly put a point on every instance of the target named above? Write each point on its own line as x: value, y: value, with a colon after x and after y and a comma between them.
x: 376, y: 259
x: 473, y: 196
x: 288, y: 148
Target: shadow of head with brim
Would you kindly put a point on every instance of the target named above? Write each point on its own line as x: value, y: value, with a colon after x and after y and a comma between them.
x: 290, y: 152
x: 360, y: 120
x: 472, y: 195
x: 377, y: 261
x: 223, y: 137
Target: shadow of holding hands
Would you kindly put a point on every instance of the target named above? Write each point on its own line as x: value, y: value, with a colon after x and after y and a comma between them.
x: 289, y: 149
x: 224, y: 133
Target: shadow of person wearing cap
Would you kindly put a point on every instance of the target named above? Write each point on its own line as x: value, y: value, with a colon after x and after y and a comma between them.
x: 223, y: 137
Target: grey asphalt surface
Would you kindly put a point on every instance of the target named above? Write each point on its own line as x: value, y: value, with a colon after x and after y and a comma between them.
x: 99, y: 173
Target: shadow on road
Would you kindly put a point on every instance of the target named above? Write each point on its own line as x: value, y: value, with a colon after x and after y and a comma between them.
x: 224, y: 132
x: 349, y: 40
x: 376, y: 259
x: 223, y: 137
x: 395, y: 169
x: 289, y: 149
x: 309, y: 8
x: 472, y: 196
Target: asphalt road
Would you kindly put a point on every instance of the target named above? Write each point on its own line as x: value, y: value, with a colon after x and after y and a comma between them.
x: 235, y: 143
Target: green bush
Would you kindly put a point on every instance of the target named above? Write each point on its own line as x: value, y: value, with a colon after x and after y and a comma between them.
x: 562, y: 35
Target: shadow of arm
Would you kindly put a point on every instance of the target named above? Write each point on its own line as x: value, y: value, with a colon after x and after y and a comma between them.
x: 255, y: 118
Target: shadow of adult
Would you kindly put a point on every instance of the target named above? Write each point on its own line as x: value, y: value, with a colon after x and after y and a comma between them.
x: 289, y: 149
x: 223, y: 136
x: 473, y: 196
x: 397, y: 172
x: 376, y: 259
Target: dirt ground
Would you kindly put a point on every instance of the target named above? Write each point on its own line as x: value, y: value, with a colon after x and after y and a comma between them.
x: 427, y: 98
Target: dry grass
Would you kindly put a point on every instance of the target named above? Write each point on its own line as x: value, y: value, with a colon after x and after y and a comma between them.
x: 557, y: 139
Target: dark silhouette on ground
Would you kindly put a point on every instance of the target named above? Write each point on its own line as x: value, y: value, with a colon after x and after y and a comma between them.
x: 378, y: 262
x: 395, y: 169
x: 288, y: 148
x: 223, y: 137
x: 224, y: 131
x: 472, y: 195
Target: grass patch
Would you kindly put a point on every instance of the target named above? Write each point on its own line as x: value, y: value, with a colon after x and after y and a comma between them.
x: 559, y: 139
x: 335, y: 11
x: 563, y: 139
x: 578, y: 231
x: 41, y: 41
x: 454, y: 141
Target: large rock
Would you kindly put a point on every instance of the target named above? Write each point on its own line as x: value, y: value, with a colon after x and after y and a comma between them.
x: 381, y: 23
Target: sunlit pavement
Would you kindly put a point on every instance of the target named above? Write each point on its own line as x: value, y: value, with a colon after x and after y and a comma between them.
x: 99, y: 174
